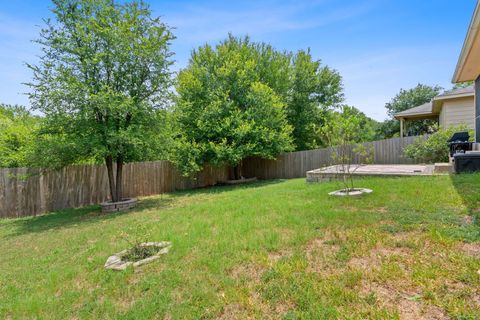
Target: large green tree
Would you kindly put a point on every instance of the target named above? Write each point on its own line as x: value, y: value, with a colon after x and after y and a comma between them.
x: 404, y: 100
x: 224, y: 77
x: 314, y: 90
x: 101, y: 81
x: 18, y: 129
x: 231, y: 105
x: 367, y: 126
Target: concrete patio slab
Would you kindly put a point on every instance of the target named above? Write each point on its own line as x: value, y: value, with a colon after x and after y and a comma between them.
x: 331, y: 172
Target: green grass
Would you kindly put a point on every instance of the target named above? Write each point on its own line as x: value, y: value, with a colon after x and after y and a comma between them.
x: 274, y: 249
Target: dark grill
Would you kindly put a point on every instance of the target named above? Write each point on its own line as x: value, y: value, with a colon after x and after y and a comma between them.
x: 459, y: 143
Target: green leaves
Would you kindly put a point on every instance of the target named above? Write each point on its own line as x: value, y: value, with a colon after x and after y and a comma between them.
x: 229, y: 105
x: 17, y: 135
x: 102, y: 81
x: 404, y: 100
x: 314, y: 90
x: 434, y: 148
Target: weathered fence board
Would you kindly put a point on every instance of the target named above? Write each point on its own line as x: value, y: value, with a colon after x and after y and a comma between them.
x: 25, y: 192
x: 296, y: 164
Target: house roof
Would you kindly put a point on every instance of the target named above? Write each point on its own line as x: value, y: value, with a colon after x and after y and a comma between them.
x: 425, y: 109
x: 468, y: 67
x: 433, y: 107
x: 461, y: 92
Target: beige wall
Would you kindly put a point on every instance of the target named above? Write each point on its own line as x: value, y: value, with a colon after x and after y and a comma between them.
x: 457, y: 112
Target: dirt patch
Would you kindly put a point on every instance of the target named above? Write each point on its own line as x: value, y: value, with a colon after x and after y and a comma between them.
x: 406, y: 235
x: 278, y: 255
x: 233, y: 311
x: 471, y: 249
x: 387, y: 223
x: 467, y: 220
x: 476, y: 300
x: 364, y: 263
x: 177, y: 295
x: 250, y: 271
x: 379, y: 209
x: 125, y: 303
x: 320, y: 254
x: 284, y: 307
x: 392, y: 251
x: 286, y: 234
x: 376, y: 256
x: 407, y: 304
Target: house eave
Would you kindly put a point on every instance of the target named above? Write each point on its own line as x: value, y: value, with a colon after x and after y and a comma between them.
x: 468, y: 68
x: 454, y: 96
x: 429, y: 115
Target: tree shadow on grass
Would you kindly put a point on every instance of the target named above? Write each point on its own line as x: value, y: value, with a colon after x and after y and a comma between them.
x: 222, y: 188
x: 467, y: 186
x: 70, y: 218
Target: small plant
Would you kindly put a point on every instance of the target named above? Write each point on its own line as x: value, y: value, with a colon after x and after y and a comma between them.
x: 136, y: 236
x: 139, y: 252
x: 435, y: 147
x: 342, y: 134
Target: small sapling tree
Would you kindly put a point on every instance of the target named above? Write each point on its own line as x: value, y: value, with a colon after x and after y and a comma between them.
x: 342, y: 132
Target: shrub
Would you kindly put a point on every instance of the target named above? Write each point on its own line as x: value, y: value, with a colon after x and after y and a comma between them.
x: 435, y: 147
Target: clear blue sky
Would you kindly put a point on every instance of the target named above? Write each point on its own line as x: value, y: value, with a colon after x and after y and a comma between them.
x: 378, y: 46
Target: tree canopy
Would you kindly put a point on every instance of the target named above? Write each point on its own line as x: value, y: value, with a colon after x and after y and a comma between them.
x: 242, y: 98
x: 314, y: 90
x: 17, y: 135
x: 407, y: 99
x: 230, y: 105
x: 101, y: 83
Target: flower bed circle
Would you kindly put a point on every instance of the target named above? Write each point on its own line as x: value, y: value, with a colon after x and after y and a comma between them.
x: 131, y: 257
x: 352, y: 192
x: 119, y: 206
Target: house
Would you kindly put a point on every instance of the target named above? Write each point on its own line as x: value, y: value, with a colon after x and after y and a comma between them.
x: 452, y: 108
x: 468, y: 65
x: 461, y: 106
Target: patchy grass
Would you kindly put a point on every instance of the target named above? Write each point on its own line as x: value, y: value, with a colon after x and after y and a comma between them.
x: 270, y: 250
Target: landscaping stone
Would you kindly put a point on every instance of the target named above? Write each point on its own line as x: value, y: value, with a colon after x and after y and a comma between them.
x: 125, y: 205
x: 442, y: 168
x: 116, y: 262
x: 353, y: 192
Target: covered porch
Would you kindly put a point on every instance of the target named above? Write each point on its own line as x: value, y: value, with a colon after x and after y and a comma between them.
x: 423, y: 112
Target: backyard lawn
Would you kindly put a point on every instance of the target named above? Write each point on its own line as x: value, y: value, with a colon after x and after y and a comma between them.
x: 274, y: 249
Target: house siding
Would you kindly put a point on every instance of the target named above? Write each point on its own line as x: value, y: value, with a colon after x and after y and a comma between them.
x: 458, y: 112
x: 441, y: 118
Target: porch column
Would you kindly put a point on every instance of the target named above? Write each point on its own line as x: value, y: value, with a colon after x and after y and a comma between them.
x: 401, y: 127
x: 477, y: 110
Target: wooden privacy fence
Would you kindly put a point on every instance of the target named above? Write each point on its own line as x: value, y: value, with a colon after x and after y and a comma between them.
x: 296, y: 164
x: 26, y: 192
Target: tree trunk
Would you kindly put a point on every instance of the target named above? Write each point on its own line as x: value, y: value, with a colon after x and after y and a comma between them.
x: 119, y: 189
x: 237, y: 171
x: 111, y: 180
